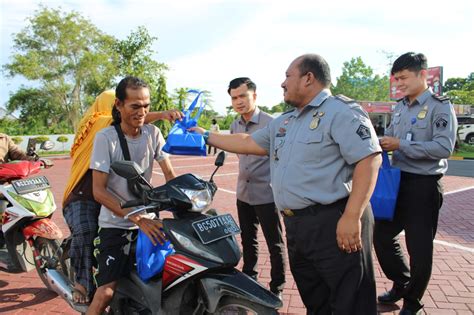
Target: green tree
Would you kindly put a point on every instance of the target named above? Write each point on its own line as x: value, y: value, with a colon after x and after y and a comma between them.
x: 359, y: 82
x: 39, y: 112
x: 454, y: 84
x: 460, y: 90
x: 135, y: 58
x: 280, y: 108
x: 179, y: 97
x: 65, y: 54
x: 162, y: 102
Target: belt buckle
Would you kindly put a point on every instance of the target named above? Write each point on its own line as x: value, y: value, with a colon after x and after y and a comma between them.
x: 288, y: 212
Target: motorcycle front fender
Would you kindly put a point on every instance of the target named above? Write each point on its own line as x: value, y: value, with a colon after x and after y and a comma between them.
x: 236, y: 284
x: 44, y: 228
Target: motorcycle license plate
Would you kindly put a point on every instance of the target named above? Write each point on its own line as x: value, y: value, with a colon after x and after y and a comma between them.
x: 24, y: 186
x: 216, y: 227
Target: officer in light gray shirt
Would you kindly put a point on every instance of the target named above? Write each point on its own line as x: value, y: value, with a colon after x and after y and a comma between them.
x: 254, y: 194
x: 421, y: 135
x: 324, y: 161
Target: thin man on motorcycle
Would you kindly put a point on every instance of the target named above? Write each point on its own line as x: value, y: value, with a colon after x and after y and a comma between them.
x: 116, y: 234
x: 9, y: 151
x: 80, y: 210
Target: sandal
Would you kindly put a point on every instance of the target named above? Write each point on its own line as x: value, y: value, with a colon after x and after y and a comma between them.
x: 79, y: 296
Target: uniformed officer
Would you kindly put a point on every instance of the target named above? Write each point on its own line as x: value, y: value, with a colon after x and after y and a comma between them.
x: 324, y: 159
x: 421, y: 135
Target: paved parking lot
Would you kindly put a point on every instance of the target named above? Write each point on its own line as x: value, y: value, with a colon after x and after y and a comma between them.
x: 451, y: 290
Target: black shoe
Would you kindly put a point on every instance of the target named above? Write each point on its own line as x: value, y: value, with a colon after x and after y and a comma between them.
x: 407, y: 311
x: 278, y: 293
x: 392, y: 296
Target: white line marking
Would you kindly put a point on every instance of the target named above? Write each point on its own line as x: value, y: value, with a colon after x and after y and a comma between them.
x: 227, y: 191
x: 453, y: 245
x: 467, y: 249
x: 458, y: 190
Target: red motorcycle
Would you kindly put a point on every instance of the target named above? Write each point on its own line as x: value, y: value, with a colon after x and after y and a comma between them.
x: 32, y: 239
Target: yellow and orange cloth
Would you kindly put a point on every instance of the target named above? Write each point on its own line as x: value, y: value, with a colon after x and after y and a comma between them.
x: 97, y: 117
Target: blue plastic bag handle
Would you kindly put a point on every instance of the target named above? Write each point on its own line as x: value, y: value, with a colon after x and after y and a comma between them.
x: 385, y: 160
x: 193, y: 105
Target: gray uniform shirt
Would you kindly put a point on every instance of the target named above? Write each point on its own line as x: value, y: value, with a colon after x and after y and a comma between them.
x: 107, y: 149
x: 313, y: 152
x: 427, y: 132
x: 253, y: 183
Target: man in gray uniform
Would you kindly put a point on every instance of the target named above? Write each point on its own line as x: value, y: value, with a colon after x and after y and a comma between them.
x: 421, y: 135
x: 254, y: 194
x: 324, y: 161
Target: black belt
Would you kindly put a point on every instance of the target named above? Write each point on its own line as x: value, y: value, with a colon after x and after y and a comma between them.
x: 410, y: 176
x: 313, y: 209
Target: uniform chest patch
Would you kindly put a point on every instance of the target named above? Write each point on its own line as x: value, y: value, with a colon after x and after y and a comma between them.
x: 363, y: 132
x: 441, y: 123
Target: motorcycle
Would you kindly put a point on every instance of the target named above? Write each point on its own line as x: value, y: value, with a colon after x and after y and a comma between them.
x: 27, y: 204
x: 200, y: 277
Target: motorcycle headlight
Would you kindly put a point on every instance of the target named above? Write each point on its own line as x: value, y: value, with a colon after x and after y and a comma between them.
x: 200, y: 199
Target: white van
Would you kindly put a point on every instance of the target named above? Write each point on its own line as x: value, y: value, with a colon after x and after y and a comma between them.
x: 466, y: 129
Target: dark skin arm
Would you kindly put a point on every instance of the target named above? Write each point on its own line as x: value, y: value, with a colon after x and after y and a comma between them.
x: 241, y: 143
x: 152, y: 228
x: 348, y: 231
x: 170, y: 115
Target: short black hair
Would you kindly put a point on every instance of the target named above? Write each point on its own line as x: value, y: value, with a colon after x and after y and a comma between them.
x: 410, y: 61
x: 129, y: 82
x: 235, y: 83
x: 318, y: 66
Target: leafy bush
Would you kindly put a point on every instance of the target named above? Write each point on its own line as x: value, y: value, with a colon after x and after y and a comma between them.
x: 62, y: 139
x: 41, y: 139
x: 17, y: 140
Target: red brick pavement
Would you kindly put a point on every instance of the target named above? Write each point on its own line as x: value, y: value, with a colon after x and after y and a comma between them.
x: 451, y: 289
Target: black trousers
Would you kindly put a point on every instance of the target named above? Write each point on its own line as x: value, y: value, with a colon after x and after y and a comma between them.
x: 419, y: 199
x: 209, y: 147
x: 269, y: 218
x: 330, y: 281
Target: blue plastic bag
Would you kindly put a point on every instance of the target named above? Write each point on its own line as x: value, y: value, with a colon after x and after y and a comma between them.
x: 150, y: 258
x: 384, y: 198
x: 180, y: 140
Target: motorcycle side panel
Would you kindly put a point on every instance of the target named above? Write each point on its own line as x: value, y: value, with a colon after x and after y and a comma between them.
x: 44, y: 228
x: 236, y: 284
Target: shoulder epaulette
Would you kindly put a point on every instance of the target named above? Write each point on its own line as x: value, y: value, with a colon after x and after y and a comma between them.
x: 288, y: 111
x: 441, y: 98
x: 345, y: 99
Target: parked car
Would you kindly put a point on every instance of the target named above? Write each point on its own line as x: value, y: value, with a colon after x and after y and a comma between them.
x: 466, y: 129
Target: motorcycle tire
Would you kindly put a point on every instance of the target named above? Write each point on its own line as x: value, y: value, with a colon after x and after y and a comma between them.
x: 50, y: 254
x: 235, y: 306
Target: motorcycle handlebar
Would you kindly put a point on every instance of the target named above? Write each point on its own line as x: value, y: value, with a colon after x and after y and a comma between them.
x: 131, y: 203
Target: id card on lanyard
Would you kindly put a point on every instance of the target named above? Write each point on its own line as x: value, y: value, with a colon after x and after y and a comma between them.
x: 409, y: 136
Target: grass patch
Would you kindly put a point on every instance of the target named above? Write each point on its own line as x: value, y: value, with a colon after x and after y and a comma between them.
x: 465, y: 150
x: 42, y: 153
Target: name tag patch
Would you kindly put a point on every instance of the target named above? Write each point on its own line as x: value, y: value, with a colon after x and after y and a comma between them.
x: 363, y: 132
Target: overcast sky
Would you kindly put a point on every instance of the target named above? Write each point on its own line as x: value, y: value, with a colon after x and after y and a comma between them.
x: 206, y: 43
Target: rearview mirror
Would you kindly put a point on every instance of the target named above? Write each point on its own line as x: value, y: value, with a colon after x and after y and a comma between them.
x: 47, y: 145
x: 127, y: 169
x: 220, y: 159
